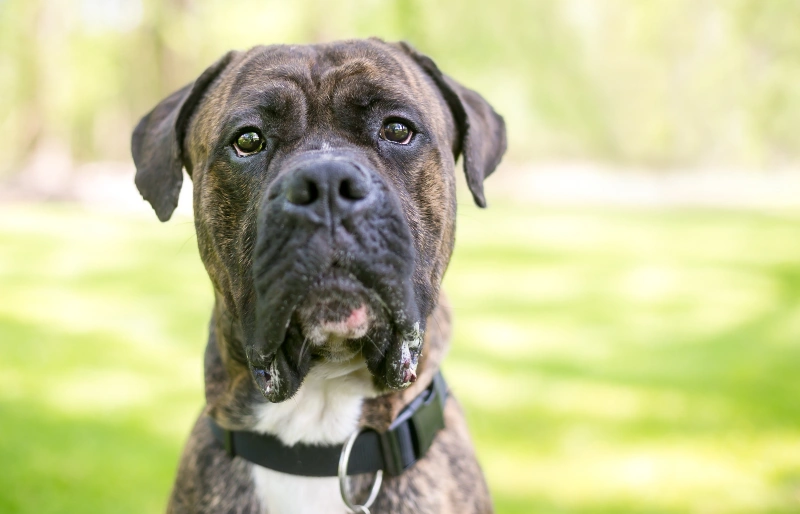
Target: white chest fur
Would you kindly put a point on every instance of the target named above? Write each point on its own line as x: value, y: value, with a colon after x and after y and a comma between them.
x: 325, y: 410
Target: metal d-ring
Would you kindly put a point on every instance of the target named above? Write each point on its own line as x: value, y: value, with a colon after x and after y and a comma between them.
x: 344, y: 460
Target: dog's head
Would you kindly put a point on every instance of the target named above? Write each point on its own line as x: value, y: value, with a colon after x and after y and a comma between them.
x: 324, y: 197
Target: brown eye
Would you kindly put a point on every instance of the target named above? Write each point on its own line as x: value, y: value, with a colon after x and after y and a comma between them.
x: 248, y: 143
x: 396, y: 132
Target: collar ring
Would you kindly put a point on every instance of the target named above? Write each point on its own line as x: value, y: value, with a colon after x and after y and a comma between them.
x: 344, y: 459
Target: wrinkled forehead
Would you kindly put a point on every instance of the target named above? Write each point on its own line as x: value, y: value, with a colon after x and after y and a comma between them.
x: 354, y: 72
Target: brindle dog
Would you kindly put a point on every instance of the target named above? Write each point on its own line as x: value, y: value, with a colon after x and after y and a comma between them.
x: 324, y: 204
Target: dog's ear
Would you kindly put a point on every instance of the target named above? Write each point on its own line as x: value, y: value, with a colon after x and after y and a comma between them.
x: 482, y: 132
x: 157, y: 142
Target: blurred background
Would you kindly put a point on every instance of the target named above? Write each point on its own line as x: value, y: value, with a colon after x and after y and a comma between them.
x: 627, y: 311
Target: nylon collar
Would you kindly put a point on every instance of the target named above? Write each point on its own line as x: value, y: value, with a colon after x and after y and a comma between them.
x: 405, y: 442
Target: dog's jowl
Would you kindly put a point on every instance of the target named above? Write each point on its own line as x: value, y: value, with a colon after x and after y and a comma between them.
x: 324, y: 205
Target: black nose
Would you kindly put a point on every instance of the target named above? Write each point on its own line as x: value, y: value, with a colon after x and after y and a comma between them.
x: 328, y: 186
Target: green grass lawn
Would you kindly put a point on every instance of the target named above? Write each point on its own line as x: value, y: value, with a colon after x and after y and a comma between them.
x: 628, y: 361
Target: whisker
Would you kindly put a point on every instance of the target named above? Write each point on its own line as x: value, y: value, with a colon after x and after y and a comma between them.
x: 303, y: 348
x: 373, y: 343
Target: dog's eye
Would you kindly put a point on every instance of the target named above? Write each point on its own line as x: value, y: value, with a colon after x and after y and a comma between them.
x: 248, y: 143
x: 396, y: 132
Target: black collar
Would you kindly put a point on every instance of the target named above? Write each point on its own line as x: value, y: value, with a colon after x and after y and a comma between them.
x: 405, y: 441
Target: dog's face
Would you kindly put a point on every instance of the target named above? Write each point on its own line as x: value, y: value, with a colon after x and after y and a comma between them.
x: 324, y: 198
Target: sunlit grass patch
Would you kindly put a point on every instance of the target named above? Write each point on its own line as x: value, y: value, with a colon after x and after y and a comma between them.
x: 629, y: 361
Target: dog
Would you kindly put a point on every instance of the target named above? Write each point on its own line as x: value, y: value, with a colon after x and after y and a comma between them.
x: 324, y: 206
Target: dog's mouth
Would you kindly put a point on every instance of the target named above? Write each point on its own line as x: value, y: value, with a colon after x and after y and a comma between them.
x: 337, y: 307
x: 339, y: 319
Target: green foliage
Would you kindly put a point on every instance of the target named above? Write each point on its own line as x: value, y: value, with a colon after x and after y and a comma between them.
x: 608, y: 361
x: 665, y: 82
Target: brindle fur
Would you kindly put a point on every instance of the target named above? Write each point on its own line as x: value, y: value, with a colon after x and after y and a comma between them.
x: 186, y: 130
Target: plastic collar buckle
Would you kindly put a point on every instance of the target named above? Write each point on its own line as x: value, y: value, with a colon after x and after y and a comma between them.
x: 412, y: 433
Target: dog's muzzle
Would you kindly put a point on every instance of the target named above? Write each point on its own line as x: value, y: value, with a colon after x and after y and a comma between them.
x: 332, y: 267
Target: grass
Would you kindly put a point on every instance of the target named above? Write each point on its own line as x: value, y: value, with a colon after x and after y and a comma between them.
x: 632, y: 361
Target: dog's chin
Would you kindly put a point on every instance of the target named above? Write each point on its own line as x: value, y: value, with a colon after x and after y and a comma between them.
x: 333, y: 320
x: 337, y: 356
x: 336, y: 323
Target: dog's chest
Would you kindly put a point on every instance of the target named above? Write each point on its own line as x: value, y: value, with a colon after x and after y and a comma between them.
x: 325, y: 410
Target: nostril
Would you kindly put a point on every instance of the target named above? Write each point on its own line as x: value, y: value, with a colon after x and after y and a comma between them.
x: 303, y: 192
x: 352, y: 189
x: 345, y: 190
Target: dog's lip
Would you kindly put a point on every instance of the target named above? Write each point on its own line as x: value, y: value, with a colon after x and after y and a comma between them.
x: 338, y: 305
x: 358, y: 318
x: 354, y: 325
x: 262, y: 377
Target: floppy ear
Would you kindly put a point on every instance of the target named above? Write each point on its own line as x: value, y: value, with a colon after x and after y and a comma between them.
x: 482, y: 132
x: 157, y: 142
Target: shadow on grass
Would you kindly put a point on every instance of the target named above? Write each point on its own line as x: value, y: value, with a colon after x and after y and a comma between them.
x: 748, y: 368
x: 78, y: 411
x: 61, y: 464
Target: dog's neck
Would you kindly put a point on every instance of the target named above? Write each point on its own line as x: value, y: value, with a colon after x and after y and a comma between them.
x: 333, y: 401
